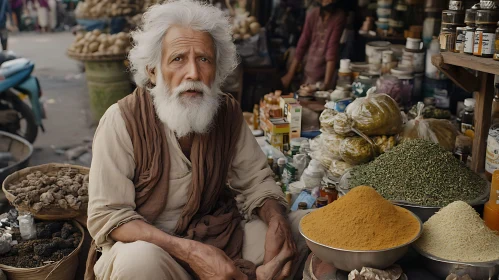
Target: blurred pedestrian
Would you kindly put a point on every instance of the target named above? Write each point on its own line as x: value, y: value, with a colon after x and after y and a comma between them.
x: 43, y: 8
x: 5, y: 12
x: 17, y: 9
x: 52, y: 14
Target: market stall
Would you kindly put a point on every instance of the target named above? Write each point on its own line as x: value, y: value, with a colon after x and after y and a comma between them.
x: 401, y: 173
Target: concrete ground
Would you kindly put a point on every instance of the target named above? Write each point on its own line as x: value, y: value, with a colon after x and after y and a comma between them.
x: 65, y: 94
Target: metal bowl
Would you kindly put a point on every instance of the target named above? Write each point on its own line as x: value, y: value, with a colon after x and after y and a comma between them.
x: 349, y: 260
x: 443, y: 268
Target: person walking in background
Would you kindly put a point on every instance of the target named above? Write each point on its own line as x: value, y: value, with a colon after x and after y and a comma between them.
x: 5, y: 12
x: 52, y: 23
x: 17, y: 7
x: 43, y: 8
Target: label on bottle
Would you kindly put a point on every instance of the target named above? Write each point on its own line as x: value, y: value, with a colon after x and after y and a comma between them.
x: 492, y: 155
x: 477, y: 46
x: 466, y: 126
x: 488, y: 43
x: 469, y: 41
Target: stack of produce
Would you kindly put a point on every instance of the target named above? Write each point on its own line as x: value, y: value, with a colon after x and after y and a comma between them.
x: 439, y: 131
x: 361, y: 220
x: 68, y: 189
x: 246, y: 28
x: 457, y: 233
x: 96, y: 44
x: 356, y: 137
x: 92, y: 9
x: 53, y: 242
x: 420, y: 172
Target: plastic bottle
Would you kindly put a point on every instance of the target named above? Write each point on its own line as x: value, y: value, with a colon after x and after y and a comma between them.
x: 468, y: 121
x: 27, y: 226
x: 491, y: 209
x: 256, y: 117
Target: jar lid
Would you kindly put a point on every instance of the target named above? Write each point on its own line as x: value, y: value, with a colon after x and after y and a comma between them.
x: 302, y: 205
x: 487, y: 16
x: 452, y: 17
x: 469, y: 102
x: 322, y: 199
x: 296, y: 142
x: 470, y: 16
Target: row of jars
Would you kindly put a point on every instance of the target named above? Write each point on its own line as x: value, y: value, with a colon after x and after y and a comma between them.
x: 476, y: 37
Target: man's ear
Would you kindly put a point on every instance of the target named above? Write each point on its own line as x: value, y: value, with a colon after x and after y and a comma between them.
x: 151, y: 72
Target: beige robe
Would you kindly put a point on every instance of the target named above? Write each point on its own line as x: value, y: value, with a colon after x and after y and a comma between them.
x: 112, y: 199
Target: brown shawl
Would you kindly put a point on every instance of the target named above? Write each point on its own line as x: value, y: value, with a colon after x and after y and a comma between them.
x: 210, y: 215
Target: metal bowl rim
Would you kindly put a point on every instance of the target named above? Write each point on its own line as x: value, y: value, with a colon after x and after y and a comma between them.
x: 474, y: 264
x: 368, y: 251
x: 22, y: 140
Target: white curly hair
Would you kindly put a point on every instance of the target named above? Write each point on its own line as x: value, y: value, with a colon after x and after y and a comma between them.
x: 147, y: 40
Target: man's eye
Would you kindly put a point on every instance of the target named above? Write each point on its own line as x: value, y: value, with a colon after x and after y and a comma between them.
x: 204, y: 59
x: 177, y: 59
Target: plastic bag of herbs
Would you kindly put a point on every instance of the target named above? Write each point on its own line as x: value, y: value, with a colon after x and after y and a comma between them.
x: 373, y: 115
x: 438, y: 131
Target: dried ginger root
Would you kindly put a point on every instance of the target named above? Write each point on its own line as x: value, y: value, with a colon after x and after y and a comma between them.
x: 68, y: 188
x: 63, y: 203
x: 37, y: 207
x: 73, y: 202
x: 47, y: 198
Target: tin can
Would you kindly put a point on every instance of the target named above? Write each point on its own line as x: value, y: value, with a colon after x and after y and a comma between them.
x: 302, y: 206
x: 460, y: 39
x: 321, y: 202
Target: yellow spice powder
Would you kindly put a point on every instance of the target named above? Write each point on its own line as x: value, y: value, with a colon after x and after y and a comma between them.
x: 361, y: 220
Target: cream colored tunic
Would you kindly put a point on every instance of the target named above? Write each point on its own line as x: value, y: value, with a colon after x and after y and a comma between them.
x: 112, y: 193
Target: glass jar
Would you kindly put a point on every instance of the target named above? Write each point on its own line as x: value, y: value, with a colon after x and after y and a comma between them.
x: 469, y: 38
x: 460, y: 39
x: 485, y: 37
x: 448, y: 38
x: 363, y: 83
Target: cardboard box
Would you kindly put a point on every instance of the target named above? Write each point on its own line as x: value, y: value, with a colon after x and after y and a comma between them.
x: 294, y: 115
x: 283, y: 102
x: 277, y: 133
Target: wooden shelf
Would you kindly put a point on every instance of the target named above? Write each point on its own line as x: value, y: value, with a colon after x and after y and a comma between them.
x: 486, y: 65
x: 482, y: 84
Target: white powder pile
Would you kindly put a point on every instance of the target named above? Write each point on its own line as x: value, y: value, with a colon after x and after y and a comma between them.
x: 457, y: 233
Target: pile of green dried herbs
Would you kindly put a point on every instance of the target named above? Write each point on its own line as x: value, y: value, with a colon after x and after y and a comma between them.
x: 419, y: 172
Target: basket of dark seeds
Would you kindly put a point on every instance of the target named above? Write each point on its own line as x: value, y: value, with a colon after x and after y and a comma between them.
x: 32, y: 249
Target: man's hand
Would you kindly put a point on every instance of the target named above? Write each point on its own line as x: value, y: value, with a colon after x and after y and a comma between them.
x: 280, y: 248
x: 209, y: 262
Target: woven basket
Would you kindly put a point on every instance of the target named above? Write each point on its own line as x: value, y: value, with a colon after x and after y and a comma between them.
x: 64, y: 269
x: 94, y: 57
x: 51, y: 212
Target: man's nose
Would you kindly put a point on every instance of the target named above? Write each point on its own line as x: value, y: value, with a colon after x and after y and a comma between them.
x: 192, y: 71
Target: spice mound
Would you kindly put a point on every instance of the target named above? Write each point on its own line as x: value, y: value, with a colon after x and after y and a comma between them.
x: 361, y: 220
x: 457, y: 233
x: 420, y: 172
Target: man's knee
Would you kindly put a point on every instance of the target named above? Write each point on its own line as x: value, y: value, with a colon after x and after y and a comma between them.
x: 137, y: 257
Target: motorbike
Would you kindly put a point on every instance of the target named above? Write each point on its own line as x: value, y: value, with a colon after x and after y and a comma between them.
x: 16, y: 85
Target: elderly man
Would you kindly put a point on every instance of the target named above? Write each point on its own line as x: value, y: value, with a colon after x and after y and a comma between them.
x: 170, y: 159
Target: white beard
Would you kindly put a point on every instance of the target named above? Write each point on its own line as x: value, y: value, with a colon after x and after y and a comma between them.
x: 182, y: 114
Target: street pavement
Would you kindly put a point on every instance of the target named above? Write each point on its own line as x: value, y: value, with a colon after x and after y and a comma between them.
x: 68, y: 122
